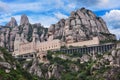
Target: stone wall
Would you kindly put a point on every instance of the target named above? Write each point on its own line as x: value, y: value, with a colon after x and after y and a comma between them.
x: 49, y: 45
x: 25, y: 48
x: 95, y: 40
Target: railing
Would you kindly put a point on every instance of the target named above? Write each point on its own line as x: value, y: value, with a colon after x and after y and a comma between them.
x: 89, y: 49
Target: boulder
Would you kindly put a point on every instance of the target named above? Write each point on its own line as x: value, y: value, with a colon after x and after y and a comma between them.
x: 5, y: 65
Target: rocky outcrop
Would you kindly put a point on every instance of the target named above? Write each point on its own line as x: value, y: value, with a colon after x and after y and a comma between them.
x: 109, y: 60
x: 24, y: 20
x: 8, y: 33
x: 34, y: 69
x: 45, y: 71
x: 82, y: 24
x: 5, y: 65
x: 12, y: 22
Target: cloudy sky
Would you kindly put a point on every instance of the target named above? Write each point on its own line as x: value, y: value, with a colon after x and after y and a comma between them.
x: 49, y: 12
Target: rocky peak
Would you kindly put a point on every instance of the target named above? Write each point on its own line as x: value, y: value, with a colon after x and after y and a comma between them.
x: 24, y: 20
x: 81, y: 25
x: 12, y: 22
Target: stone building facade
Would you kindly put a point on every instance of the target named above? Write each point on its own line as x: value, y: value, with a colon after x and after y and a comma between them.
x: 23, y: 47
x: 95, y: 40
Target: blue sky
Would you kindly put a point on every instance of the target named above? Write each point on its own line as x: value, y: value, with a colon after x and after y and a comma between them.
x: 49, y: 12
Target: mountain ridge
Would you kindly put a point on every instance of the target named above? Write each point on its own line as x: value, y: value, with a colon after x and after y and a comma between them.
x: 81, y: 25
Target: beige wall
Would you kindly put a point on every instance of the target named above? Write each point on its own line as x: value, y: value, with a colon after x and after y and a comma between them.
x: 24, y: 48
x: 49, y: 45
x: 95, y: 40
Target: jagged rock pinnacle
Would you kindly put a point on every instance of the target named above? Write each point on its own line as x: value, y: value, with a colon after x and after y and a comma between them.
x: 24, y: 19
x: 12, y: 22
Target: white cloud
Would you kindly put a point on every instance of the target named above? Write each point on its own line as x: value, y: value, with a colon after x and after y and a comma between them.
x: 103, y: 3
x: 112, y: 18
x: 3, y: 7
x: 53, y: 6
x: 72, y: 5
x: 44, y: 5
x: 107, y: 4
x: 60, y: 15
x: 116, y: 32
x: 19, y: 7
x: 97, y: 5
x: 26, y: 6
x: 5, y: 15
x: 39, y: 6
x: 6, y: 18
x: 58, y: 3
x: 46, y: 21
x: 113, y: 21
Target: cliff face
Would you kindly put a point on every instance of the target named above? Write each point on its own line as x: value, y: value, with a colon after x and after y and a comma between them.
x: 82, y: 25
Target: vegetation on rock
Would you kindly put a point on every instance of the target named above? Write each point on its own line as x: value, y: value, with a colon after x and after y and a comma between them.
x: 14, y: 70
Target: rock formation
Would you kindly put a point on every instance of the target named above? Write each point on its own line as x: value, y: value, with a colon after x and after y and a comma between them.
x: 24, y: 20
x: 12, y: 22
x: 9, y: 32
x: 82, y: 25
